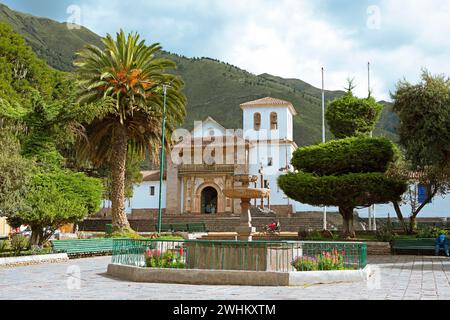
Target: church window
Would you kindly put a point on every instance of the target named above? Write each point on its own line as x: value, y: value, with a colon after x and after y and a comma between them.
x: 152, y: 190
x: 273, y: 121
x: 257, y: 121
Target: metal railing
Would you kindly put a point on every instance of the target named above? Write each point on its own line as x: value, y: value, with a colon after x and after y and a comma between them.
x: 279, y: 256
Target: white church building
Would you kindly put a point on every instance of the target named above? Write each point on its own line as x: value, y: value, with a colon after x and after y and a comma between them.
x: 204, y: 160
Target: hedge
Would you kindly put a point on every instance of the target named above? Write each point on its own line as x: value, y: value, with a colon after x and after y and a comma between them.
x: 349, y: 190
x: 351, y: 155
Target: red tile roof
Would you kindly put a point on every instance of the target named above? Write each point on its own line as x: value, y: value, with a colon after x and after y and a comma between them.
x: 269, y: 101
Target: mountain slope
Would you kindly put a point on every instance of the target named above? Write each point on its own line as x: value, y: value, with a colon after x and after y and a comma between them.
x: 51, y: 40
x: 213, y: 88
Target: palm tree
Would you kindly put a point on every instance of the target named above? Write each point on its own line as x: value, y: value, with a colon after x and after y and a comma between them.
x: 122, y: 87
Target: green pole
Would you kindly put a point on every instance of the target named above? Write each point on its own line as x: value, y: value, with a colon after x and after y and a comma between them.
x: 161, y: 164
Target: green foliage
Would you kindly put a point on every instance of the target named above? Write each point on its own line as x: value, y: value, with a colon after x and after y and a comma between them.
x: 348, y: 190
x: 4, y: 245
x: 386, y: 232
x: 20, y: 69
x: 53, y: 41
x: 350, y: 172
x: 325, y: 261
x: 57, y: 198
x: 15, y: 172
x: 19, y: 243
x: 433, y: 232
x: 126, y: 79
x: 357, y: 155
x: 350, y: 116
x: 130, y: 234
x: 424, y: 112
x: 154, y: 259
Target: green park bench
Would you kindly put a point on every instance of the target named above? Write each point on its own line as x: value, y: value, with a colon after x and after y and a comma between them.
x: 418, y: 245
x: 180, y: 227
x: 165, y: 227
x: 183, y: 227
x: 197, y: 227
x: 83, y: 246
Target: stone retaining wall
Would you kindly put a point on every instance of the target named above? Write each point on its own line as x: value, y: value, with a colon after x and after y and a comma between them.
x: 234, y: 277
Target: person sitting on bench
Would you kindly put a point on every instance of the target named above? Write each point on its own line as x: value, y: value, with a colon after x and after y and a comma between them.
x: 441, y: 240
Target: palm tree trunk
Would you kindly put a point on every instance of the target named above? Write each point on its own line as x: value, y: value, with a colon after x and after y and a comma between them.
x: 118, y: 162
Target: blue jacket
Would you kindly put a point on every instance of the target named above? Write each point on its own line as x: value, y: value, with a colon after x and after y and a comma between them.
x: 441, y: 239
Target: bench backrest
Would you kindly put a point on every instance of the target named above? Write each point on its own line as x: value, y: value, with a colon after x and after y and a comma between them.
x: 414, y: 242
x: 180, y: 227
x: 83, y: 245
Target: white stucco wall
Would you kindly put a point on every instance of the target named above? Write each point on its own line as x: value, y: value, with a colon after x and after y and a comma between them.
x: 284, y: 130
x: 204, y: 129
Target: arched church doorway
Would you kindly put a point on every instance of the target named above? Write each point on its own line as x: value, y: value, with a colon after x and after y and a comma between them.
x: 209, y: 200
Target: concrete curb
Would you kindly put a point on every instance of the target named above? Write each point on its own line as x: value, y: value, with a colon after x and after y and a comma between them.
x: 29, y: 260
x: 324, y: 277
x: 235, y: 277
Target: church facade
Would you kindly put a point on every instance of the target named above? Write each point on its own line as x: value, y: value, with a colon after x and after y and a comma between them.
x: 203, y: 162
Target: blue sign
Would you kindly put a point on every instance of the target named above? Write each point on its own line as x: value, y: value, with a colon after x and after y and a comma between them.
x: 422, y: 193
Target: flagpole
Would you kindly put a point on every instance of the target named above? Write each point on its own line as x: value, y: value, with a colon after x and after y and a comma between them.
x: 161, y: 165
x: 372, y: 222
x: 323, y: 140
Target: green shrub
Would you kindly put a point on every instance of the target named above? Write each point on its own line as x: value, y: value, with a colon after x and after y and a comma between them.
x: 349, y: 190
x: 19, y: 243
x: 433, y: 232
x: 4, y: 245
x: 385, y: 234
x: 154, y: 259
x: 337, y: 157
x: 350, y: 116
x: 320, y: 262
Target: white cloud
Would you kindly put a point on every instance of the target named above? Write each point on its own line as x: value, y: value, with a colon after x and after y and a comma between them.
x: 292, y: 38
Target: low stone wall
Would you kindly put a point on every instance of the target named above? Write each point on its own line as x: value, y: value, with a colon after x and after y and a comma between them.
x: 30, y: 260
x: 378, y: 248
x: 235, y: 277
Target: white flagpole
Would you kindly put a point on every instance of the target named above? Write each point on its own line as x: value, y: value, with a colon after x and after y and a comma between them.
x: 372, y: 222
x: 323, y: 140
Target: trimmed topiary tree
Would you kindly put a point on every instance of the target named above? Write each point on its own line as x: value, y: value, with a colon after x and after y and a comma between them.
x: 345, y: 175
x: 351, y: 116
x: 350, y: 172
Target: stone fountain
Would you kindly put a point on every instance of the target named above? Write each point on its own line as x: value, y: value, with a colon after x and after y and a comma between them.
x: 241, y: 255
x: 245, y: 230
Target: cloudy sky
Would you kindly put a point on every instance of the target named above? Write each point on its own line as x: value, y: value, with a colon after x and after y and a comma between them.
x: 288, y: 38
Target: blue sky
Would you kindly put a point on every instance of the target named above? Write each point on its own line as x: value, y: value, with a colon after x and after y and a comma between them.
x: 288, y: 38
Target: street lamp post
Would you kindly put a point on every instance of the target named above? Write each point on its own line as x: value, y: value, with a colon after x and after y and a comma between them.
x: 161, y: 164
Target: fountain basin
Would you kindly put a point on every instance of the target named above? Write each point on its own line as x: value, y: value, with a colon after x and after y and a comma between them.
x: 246, y: 193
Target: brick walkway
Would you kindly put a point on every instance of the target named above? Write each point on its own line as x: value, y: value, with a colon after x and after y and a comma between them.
x: 399, y: 277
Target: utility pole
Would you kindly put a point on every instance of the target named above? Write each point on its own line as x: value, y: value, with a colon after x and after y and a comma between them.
x: 161, y: 164
x: 323, y: 140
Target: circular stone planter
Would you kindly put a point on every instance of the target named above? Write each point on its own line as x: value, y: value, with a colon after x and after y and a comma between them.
x: 235, y: 277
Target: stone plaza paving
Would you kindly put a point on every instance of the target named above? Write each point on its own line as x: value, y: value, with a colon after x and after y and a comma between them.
x: 398, y: 277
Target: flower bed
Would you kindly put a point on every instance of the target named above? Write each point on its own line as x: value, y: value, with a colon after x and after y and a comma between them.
x: 333, y: 260
x: 169, y: 259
